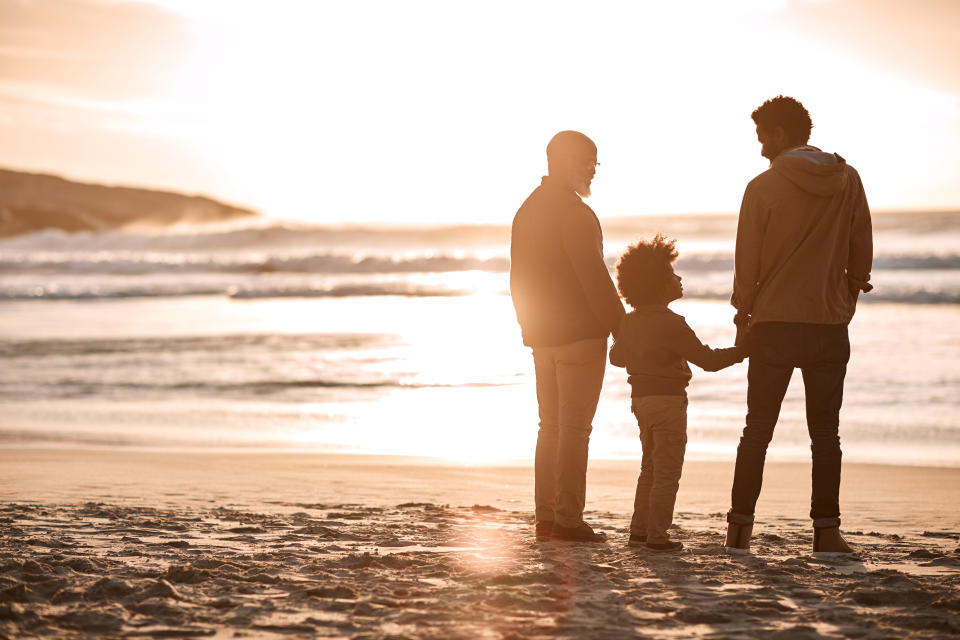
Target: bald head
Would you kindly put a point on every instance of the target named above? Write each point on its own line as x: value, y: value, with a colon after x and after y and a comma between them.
x: 570, y: 145
x: 572, y: 157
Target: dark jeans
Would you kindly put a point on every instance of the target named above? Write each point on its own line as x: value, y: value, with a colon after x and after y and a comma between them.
x: 821, y: 351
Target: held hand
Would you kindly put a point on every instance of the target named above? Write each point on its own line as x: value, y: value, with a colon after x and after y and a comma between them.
x: 742, y: 332
x: 856, y: 288
x: 742, y: 320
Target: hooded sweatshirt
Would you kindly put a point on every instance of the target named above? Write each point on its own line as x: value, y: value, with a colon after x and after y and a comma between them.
x: 804, y: 241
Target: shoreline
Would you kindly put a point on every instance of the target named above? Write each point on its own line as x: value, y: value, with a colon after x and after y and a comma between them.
x: 14, y: 446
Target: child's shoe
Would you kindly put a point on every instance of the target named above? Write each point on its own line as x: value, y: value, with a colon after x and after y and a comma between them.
x: 738, y: 538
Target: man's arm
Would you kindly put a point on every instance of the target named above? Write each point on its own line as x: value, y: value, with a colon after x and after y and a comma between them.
x: 860, y: 260
x: 618, y: 355
x: 746, y: 268
x: 582, y: 242
x: 517, y: 295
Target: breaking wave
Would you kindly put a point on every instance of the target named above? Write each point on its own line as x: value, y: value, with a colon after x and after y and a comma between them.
x: 127, y: 263
x: 916, y: 261
x: 906, y: 295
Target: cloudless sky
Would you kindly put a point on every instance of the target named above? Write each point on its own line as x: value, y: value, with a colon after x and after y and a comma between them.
x: 412, y: 112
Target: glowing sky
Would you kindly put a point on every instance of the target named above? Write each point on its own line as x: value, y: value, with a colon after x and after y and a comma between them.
x: 440, y: 111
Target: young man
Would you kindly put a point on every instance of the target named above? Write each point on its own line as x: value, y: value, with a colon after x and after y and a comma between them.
x: 566, y: 305
x: 655, y: 345
x: 803, y: 255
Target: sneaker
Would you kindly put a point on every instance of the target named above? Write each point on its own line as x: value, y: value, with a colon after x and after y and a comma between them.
x: 544, y: 529
x: 669, y: 545
x: 636, y: 540
x: 582, y: 533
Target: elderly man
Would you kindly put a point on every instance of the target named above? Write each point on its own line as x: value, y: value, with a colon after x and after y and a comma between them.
x: 803, y: 255
x: 567, y: 306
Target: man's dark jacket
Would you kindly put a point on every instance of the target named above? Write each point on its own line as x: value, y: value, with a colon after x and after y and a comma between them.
x: 561, y: 288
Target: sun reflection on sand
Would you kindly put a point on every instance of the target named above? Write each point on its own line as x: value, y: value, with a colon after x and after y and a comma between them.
x: 493, y: 555
x: 501, y: 563
x: 512, y: 566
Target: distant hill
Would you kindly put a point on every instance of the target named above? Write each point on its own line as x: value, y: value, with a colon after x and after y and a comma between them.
x: 34, y: 201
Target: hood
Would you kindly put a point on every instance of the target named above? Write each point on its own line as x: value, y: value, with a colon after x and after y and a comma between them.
x: 813, y: 170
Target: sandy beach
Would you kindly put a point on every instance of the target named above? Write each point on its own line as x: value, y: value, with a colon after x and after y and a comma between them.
x: 146, y: 544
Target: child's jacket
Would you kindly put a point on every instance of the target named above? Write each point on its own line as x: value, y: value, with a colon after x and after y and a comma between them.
x: 655, y: 345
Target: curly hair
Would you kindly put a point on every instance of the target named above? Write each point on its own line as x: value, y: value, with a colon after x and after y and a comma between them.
x: 787, y: 113
x: 643, y: 271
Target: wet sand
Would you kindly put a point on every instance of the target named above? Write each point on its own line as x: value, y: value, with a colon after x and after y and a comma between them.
x: 134, y: 544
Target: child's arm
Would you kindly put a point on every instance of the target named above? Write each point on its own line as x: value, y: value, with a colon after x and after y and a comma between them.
x: 692, y: 350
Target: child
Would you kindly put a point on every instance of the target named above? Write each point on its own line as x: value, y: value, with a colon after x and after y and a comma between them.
x: 655, y: 345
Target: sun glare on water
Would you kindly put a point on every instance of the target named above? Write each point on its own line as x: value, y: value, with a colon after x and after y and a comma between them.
x: 475, y: 343
x: 461, y: 381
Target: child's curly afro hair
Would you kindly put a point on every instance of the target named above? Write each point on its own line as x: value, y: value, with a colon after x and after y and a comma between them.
x: 643, y: 271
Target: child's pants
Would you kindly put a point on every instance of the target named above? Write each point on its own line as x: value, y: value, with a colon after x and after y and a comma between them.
x: 663, y: 434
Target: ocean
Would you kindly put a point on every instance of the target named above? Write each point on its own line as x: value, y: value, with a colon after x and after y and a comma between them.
x: 282, y: 336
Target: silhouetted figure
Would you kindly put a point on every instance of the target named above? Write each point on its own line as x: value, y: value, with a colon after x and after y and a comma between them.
x: 804, y: 253
x: 566, y: 305
x: 655, y: 345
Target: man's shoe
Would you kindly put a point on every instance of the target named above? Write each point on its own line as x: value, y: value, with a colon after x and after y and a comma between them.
x: 738, y: 538
x: 669, y: 545
x: 828, y: 543
x: 582, y: 533
x: 636, y: 540
x: 544, y: 529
